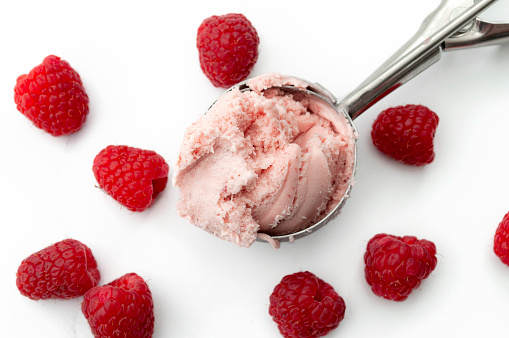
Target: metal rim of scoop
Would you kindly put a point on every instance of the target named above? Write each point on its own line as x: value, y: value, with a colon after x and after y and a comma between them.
x: 452, y: 25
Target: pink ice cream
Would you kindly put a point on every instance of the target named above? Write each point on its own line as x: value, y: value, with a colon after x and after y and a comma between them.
x: 264, y: 161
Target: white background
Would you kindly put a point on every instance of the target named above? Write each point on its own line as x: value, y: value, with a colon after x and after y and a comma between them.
x: 139, y: 64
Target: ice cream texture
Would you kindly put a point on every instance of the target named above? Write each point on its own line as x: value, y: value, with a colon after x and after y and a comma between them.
x: 264, y: 162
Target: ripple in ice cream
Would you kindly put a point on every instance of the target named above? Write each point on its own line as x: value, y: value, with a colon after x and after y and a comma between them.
x: 264, y: 161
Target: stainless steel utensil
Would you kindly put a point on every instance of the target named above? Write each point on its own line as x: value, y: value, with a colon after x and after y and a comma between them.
x: 453, y: 25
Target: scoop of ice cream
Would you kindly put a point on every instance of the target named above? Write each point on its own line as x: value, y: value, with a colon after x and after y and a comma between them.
x: 263, y: 161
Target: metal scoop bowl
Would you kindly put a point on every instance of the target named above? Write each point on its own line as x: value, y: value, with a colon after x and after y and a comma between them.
x: 454, y: 24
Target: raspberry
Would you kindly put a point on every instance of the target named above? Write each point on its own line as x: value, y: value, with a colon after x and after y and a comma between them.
x: 406, y: 134
x: 122, y: 308
x: 501, y: 240
x: 303, y: 305
x: 395, y: 266
x: 52, y: 96
x: 66, y: 269
x: 132, y: 176
x: 228, y: 48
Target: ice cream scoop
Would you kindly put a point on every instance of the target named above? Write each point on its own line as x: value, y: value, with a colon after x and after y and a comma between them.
x: 268, y: 159
x: 286, y: 214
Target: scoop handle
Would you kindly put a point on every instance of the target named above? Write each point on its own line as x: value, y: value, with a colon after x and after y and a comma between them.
x: 420, y: 52
x: 482, y: 33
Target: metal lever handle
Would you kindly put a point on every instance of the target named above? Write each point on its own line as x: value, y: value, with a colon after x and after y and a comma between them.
x: 482, y: 33
x: 416, y: 55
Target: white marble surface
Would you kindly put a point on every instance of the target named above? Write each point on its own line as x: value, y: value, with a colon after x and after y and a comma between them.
x: 139, y: 64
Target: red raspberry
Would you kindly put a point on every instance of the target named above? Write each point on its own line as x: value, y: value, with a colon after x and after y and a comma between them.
x: 406, y: 134
x: 501, y: 240
x: 52, y: 96
x: 228, y: 48
x: 397, y: 265
x: 122, y: 308
x: 303, y: 305
x: 66, y: 269
x: 134, y: 177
